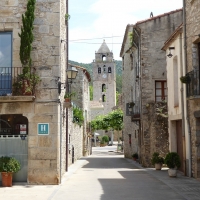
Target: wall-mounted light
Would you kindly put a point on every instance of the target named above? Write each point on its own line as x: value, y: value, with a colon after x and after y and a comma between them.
x: 71, y: 74
x: 170, y: 54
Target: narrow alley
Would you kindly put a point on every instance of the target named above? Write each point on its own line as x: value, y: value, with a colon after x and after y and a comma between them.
x: 107, y: 175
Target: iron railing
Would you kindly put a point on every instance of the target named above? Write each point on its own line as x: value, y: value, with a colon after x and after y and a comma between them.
x: 8, y: 76
x: 193, y: 85
x: 133, y: 109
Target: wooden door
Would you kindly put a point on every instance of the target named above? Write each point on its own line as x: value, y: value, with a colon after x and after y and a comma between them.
x: 180, y: 143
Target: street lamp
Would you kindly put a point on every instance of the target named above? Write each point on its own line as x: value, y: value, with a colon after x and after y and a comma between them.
x: 170, y: 54
x: 71, y: 74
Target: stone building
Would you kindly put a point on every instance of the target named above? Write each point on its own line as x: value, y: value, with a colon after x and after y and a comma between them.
x: 144, y: 85
x: 191, y: 29
x: 176, y: 96
x: 79, y: 136
x: 33, y: 128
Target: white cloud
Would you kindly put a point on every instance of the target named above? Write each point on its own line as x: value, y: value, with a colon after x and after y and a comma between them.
x: 110, y: 18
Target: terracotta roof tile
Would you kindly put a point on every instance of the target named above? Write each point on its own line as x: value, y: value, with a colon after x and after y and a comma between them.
x: 158, y: 16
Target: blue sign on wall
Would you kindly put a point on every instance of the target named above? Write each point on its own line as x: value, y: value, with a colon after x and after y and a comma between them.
x: 43, y: 128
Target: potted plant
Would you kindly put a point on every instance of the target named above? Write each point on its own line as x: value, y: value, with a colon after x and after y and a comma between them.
x: 104, y: 140
x: 26, y: 82
x: 68, y: 96
x: 173, y: 162
x: 130, y: 106
x: 102, y: 143
x: 8, y: 166
x: 185, y: 79
x: 157, y: 161
x: 135, y: 156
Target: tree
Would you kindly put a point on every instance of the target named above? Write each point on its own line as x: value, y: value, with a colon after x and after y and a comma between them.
x: 111, y: 121
x: 116, y: 120
x: 91, y: 92
x: 27, y: 34
x: 26, y: 82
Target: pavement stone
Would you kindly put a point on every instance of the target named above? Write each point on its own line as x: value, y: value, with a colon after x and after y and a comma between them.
x: 107, y: 175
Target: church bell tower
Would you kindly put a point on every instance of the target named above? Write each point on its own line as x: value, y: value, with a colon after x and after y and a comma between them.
x: 104, y: 78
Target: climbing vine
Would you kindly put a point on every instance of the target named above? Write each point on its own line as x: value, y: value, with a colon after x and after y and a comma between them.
x: 78, y: 116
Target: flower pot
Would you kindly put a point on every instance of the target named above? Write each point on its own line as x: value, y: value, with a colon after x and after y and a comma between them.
x: 26, y: 89
x: 134, y: 159
x: 158, y: 166
x: 6, y: 179
x: 67, y: 100
x: 172, y: 172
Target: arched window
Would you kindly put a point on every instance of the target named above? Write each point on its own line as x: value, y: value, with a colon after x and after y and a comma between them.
x: 103, y: 98
x: 109, y: 70
x: 99, y: 70
x: 15, y: 124
x: 103, y: 87
x: 103, y: 58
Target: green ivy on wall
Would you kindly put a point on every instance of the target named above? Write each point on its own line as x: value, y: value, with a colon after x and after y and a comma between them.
x: 78, y: 116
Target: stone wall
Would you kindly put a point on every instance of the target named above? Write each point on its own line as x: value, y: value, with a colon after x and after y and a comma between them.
x: 192, y: 32
x: 75, y: 139
x: 48, y: 57
x: 130, y: 130
x: 153, y: 67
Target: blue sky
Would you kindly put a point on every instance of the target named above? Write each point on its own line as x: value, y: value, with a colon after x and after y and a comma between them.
x: 107, y: 19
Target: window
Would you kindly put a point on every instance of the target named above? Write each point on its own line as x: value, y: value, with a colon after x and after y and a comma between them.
x: 13, y: 125
x: 103, y: 98
x: 103, y: 87
x: 99, y: 70
x: 5, y: 49
x: 160, y: 90
x: 109, y: 70
x: 104, y: 68
x: 5, y: 63
x: 104, y: 58
x: 131, y: 57
x: 176, y: 80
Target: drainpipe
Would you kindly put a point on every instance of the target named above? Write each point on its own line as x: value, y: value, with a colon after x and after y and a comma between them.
x: 67, y: 48
x: 140, y: 92
x: 182, y: 101
x: 186, y: 110
x: 60, y: 142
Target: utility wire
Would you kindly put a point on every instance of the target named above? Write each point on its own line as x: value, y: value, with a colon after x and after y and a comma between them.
x: 94, y: 38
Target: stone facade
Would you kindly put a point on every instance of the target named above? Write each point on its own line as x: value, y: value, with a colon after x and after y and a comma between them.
x: 192, y: 26
x: 142, y: 67
x: 45, y: 153
x: 178, y: 137
x: 82, y: 99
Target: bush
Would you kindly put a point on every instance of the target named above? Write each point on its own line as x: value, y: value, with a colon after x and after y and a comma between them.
x: 105, y: 139
x: 172, y: 160
x: 9, y: 164
x: 135, y: 155
x: 156, y: 158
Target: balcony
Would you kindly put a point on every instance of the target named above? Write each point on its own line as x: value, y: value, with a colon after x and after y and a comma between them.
x: 10, y: 79
x: 133, y: 110
x: 193, y: 85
